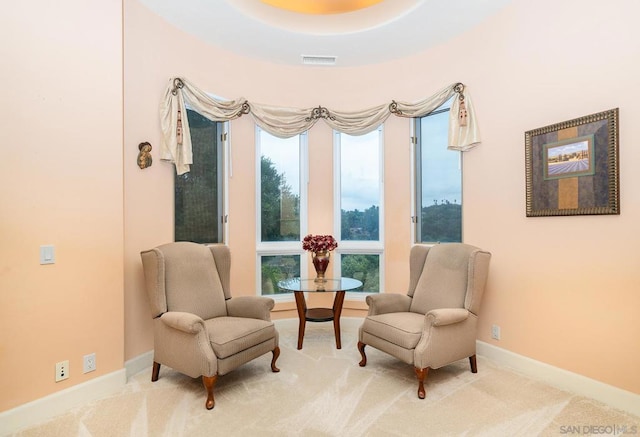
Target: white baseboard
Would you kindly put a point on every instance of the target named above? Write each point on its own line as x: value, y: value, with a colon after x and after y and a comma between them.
x: 562, y: 379
x: 45, y: 408
x: 139, y: 363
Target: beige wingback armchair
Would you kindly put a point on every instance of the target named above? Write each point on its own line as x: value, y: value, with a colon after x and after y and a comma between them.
x: 199, y: 329
x: 434, y: 324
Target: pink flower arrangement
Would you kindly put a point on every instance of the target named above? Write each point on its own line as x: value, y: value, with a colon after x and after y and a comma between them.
x: 319, y: 243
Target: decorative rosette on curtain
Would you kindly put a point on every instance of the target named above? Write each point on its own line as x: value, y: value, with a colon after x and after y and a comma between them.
x: 286, y: 122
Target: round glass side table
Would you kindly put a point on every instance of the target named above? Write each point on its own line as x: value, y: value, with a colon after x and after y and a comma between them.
x: 299, y: 287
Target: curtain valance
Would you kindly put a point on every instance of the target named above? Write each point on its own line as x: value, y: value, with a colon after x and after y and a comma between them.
x: 286, y: 122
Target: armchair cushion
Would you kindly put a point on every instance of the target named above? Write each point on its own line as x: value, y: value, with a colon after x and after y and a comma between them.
x: 192, y: 282
x: 445, y: 269
x: 402, y: 329
x: 230, y: 335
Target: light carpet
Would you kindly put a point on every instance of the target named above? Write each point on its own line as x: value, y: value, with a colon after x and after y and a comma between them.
x: 321, y: 391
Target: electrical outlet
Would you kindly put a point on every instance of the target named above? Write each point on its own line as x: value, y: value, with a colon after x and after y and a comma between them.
x: 495, y: 332
x: 62, y: 370
x: 89, y: 363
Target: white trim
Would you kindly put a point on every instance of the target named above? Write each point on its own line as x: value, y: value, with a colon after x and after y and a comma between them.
x: 227, y: 174
x: 43, y: 409
x: 415, y: 190
x: 139, y: 363
x: 562, y: 379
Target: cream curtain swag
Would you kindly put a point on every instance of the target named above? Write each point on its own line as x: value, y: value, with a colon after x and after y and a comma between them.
x: 287, y: 122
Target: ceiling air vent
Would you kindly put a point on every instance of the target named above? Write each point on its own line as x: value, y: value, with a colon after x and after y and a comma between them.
x: 318, y: 60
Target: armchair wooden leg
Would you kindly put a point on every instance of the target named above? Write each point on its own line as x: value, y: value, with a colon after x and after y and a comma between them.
x: 474, y: 365
x: 155, y: 372
x: 361, y: 346
x: 209, y: 382
x: 276, y: 354
x: 422, y: 375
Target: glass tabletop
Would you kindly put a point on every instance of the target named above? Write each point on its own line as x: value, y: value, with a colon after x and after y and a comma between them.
x: 310, y: 285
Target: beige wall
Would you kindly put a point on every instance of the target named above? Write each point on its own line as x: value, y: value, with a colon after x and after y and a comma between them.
x: 562, y: 289
x: 62, y: 184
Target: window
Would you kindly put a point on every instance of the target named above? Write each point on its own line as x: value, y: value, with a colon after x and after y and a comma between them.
x: 438, y: 185
x: 199, y: 199
x: 274, y: 268
x: 358, y: 197
x: 281, y: 208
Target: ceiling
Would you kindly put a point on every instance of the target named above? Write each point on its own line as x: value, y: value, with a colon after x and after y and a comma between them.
x: 387, y: 30
x: 321, y: 6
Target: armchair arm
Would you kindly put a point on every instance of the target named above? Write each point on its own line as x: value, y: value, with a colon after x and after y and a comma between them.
x: 186, y: 322
x: 388, y: 303
x: 181, y: 341
x: 446, y: 316
x: 253, y: 307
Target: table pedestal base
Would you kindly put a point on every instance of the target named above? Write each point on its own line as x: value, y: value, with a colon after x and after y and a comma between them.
x: 319, y: 315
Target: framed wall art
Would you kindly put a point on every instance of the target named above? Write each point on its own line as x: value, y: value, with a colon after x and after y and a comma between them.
x: 572, y: 167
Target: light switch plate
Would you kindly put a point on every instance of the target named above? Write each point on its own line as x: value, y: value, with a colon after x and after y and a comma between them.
x: 47, y: 254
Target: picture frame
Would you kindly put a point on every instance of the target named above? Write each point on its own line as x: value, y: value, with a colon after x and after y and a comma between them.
x: 572, y: 167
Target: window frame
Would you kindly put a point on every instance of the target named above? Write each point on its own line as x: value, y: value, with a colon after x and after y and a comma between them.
x: 274, y: 248
x: 416, y: 177
x: 223, y: 162
x: 358, y: 247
